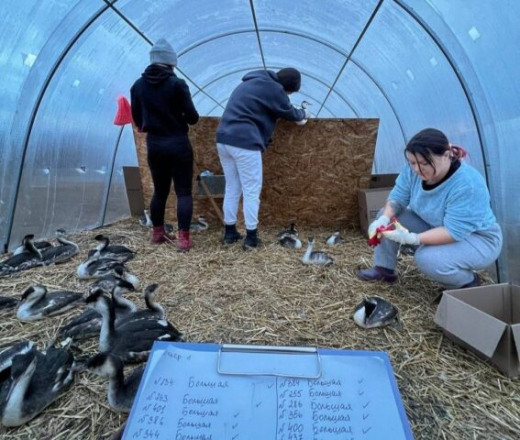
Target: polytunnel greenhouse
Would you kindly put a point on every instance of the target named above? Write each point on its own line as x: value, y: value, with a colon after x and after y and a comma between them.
x: 90, y: 281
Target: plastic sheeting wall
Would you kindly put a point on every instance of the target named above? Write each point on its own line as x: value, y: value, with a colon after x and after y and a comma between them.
x: 411, y: 63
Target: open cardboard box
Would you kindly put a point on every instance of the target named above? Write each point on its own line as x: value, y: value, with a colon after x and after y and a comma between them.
x: 371, y: 200
x: 485, y: 320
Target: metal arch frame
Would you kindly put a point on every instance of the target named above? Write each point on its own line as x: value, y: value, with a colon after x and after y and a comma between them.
x: 465, y: 88
x: 145, y: 38
x: 308, y: 37
x: 112, y: 165
x: 351, y: 53
x: 39, y: 99
x: 458, y: 74
x: 34, y: 112
x: 253, y: 13
x: 349, y: 104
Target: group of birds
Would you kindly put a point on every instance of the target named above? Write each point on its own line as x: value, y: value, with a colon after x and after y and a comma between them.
x: 289, y: 238
x: 373, y: 311
x: 196, y: 226
x: 31, y: 378
x: 42, y: 253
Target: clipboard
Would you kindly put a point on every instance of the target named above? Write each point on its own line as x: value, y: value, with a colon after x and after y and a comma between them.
x: 208, y: 392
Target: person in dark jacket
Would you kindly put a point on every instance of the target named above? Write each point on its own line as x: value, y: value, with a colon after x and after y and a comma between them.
x: 162, y: 108
x: 243, y: 134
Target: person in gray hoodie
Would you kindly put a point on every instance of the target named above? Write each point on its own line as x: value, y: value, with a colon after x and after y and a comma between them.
x: 243, y: 134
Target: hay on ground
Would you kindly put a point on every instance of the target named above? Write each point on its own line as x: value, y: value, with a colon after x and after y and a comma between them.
x: 217, y: 294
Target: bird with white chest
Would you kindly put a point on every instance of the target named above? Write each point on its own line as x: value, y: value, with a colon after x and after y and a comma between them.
x: 105, y: 250
x: 335, y: 239
x: 121, y: 390
x: 153, y: 310
x: 37, y: 303
x: 304, y: 106
x: 109, y: 281
x: 289, y: 238
x: 23, y: 261
x: 37, y: 380
x: 88, y: 324
x: 146, y: 221
x: 315, y: 257
x: 199, y: 225
x: 132, y: 341
x: 61, y: 253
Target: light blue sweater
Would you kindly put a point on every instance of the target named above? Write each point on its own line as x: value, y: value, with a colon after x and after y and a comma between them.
x: 461, y: 204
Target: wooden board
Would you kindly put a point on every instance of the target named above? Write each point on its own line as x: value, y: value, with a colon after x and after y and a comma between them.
x: 311, y: 173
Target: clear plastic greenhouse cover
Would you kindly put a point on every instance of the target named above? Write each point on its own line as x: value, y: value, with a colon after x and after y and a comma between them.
x: 413, y: 64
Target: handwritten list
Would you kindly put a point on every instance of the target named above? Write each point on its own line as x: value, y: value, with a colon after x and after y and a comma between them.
x: 183, y: 397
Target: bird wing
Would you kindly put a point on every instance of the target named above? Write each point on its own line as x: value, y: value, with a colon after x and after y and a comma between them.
x: 59, y: 302
x: 58, y: 254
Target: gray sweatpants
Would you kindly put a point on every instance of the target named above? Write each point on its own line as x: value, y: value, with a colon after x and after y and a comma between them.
x: 451, y: 264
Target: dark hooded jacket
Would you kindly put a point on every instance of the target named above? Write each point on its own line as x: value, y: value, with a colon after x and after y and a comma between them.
x: 161, y: 103
x: 254, y: 106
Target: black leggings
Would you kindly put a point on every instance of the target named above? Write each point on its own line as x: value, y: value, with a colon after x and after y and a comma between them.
x: 171, y: 158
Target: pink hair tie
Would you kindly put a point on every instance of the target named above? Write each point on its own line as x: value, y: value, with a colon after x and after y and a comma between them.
x: 460, y: 152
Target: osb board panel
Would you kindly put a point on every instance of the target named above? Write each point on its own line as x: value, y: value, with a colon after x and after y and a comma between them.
x: 311, y: 173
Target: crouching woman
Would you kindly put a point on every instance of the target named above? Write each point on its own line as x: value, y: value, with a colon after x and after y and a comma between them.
x: 444, y: 206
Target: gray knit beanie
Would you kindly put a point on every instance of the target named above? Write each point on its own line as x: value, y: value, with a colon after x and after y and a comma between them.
x: 162, y: 53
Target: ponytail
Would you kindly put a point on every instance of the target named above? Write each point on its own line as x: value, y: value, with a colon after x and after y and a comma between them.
x: 458, y: 152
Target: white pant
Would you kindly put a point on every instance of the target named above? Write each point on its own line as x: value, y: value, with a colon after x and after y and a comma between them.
x: 243, y: 173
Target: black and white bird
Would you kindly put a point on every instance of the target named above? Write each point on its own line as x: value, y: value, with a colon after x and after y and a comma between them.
x: 40, y: 245
x: 146, y: 221
x: 153, y: 310
x: 61, y: 253
x: 9, y: 351
x: 291, y: 232
x: 131, y: 341
x: 314, y: 257
x: 374, y: 312
x: 98, y: 267
x: 121, y: 391
x: 26, y: 260
x: 88, y: 324
x: 200, y: 225
x: 36, y: 381
x: 107, y: 282
x: 36, y: 303
x: 107, y: 250
x: 290, y: 241
x: 7, y: 304
x: 335, y: 239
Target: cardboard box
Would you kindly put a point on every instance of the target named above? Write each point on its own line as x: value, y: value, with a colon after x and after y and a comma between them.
x: 134, y: 191
x: 382, y: 180
x: 485, y: 320
x: 371, y: 200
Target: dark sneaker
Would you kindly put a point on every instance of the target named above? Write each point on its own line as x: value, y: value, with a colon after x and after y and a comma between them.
x: 377, y: 273
x: 231, y: 234
x: 251, y: 241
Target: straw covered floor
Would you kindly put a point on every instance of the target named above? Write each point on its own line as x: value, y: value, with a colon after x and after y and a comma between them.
x: 267, y: 296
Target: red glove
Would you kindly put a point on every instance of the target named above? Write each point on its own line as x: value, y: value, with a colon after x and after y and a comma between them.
x: 375, y: 239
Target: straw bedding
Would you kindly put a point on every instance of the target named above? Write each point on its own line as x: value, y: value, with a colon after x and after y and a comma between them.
x: 217, y: 294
